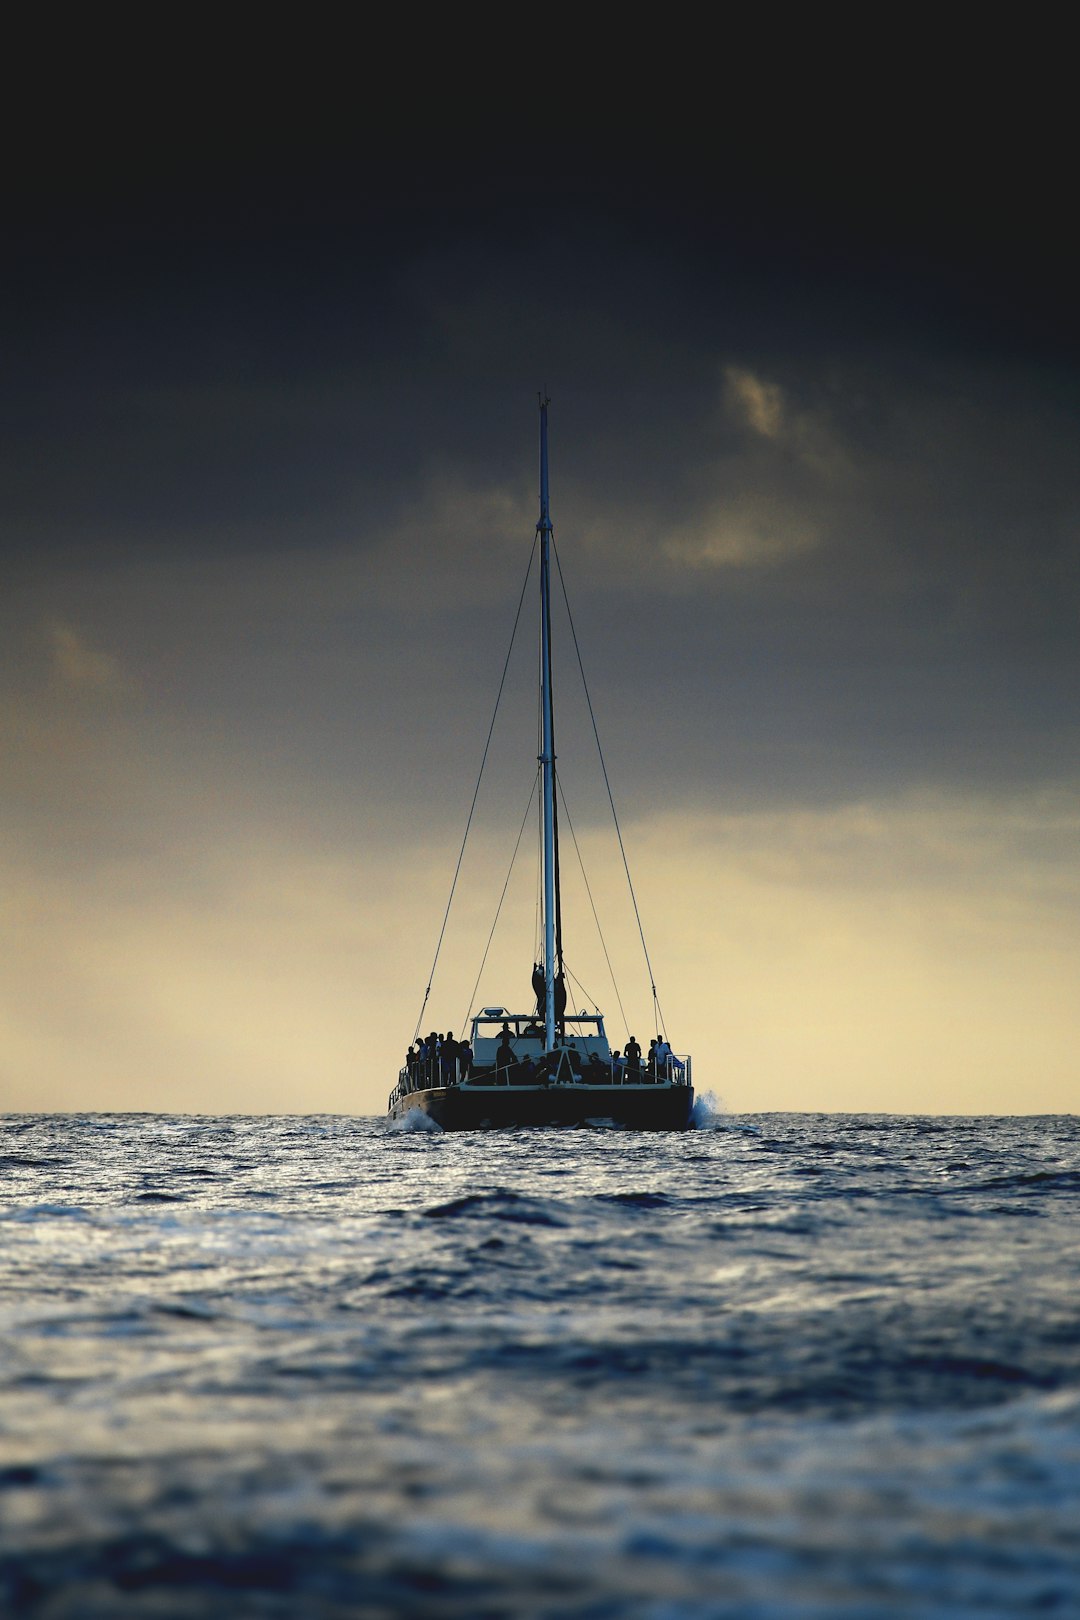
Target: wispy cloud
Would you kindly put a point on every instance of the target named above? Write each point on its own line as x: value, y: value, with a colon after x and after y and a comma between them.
x: 749, y: 531
x: 452, y: 543
x: 771, y: 412
x: 78, y: 666
x: 760, y: 404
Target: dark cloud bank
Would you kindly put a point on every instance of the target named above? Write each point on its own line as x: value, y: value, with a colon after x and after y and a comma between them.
x: 233, y: 387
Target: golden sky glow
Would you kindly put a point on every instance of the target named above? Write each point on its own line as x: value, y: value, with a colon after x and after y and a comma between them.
x: 906, y: 957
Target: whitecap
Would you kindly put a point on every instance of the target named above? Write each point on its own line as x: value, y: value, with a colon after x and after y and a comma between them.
x: 415, y: 1120
x: 710, y: 1112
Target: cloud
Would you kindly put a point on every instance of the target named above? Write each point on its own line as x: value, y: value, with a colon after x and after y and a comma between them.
x: 754, y: 531
x: 766, y: 500
x: 79, y: 666
x: 760, y: 405
x: 456, y: 541
x: 797, y: 431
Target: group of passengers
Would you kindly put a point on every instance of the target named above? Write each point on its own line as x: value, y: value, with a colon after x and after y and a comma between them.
x: 660, y: 1060
x: 439, y: 1060
x: 660, y: 1064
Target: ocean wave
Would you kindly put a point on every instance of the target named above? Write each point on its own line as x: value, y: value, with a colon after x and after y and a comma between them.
x: 783, y: 1365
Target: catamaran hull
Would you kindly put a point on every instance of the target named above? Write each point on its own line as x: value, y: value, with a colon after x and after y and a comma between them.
x: 634, y: 1108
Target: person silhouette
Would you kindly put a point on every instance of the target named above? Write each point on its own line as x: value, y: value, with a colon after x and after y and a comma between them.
x: 448, y: 1058
x: 505, y: 1057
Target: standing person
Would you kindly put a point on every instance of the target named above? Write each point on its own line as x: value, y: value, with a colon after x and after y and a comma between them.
x: 650, y: 1061
x: 505, y: 1057
x: 464, y: 1057
x: 433, y: 1058
x: 663, y: 1056
x: 448, y: 1058
x: 632, y: 1053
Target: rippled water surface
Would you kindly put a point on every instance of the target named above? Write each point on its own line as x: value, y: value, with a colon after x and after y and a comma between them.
x: 788, y: 1365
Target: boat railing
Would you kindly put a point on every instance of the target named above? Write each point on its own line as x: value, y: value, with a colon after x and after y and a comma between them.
x: 428, y: 1074
x: 675, y: 1071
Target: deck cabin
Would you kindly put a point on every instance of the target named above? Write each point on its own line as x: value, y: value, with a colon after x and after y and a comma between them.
x: 584, y: 1038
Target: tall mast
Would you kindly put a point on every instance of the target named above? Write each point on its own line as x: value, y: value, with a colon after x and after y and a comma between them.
x: 547, y: 757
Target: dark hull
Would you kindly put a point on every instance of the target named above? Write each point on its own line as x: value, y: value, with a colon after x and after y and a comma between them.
x: 646, y: 1107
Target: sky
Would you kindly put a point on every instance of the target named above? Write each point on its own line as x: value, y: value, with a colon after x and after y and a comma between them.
x: 268, y: 489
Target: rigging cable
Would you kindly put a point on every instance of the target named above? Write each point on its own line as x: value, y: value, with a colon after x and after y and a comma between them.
x: 607, y: 784
x: 596, y: 919
x: 502, y: 897
x: 476, y: 790
x: 570, y: 974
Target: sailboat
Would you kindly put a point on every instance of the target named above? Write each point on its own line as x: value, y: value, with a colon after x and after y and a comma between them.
x: 546, y: 1065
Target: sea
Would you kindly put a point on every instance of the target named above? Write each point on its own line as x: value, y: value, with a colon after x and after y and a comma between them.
x: 783, y: 1365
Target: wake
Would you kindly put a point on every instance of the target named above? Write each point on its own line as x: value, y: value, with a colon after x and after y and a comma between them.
x: 415, y: 1121
x: 711, y: 1113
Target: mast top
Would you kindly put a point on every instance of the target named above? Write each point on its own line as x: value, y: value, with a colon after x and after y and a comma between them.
x: 543, y: 526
